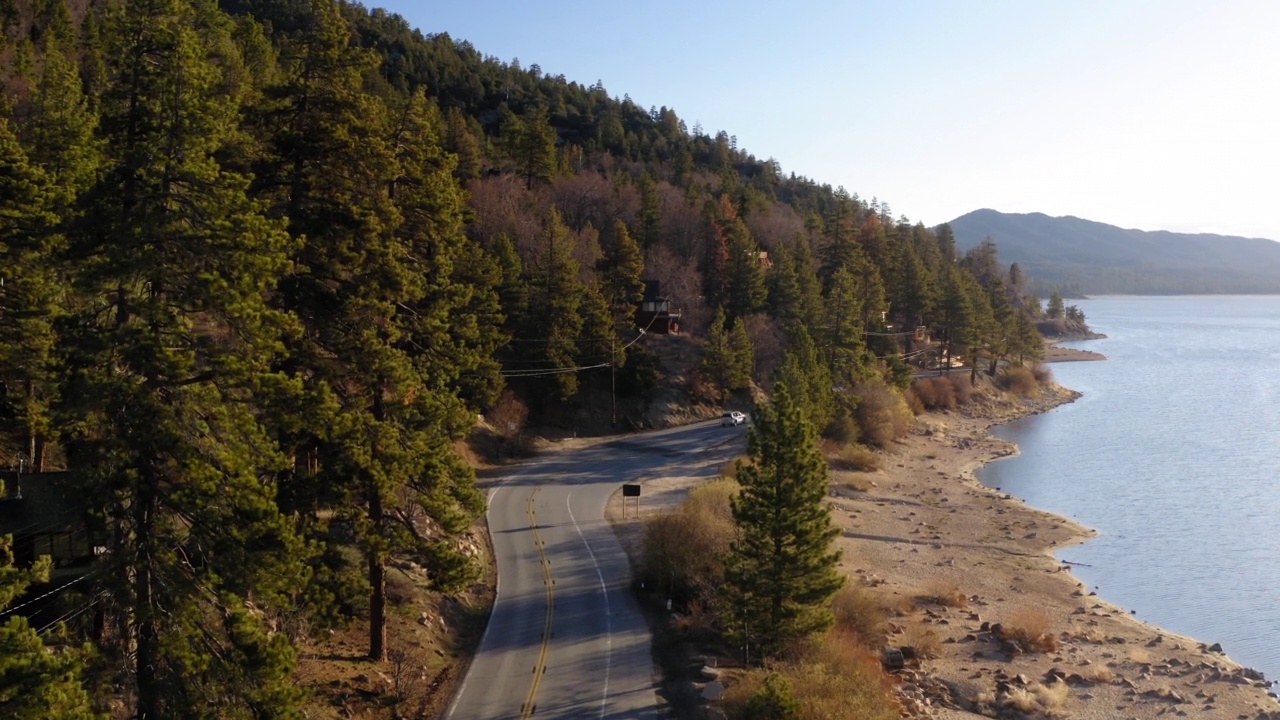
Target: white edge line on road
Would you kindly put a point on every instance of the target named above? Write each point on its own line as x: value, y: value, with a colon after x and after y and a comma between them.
x: 497, y: 591
x: 608, y: 619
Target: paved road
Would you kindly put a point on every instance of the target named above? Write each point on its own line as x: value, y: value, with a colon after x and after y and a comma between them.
x: 566, y: 638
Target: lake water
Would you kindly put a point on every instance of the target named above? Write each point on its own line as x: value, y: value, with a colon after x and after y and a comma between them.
x: 1173, y: 455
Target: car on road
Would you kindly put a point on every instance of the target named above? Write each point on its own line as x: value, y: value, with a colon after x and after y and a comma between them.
x: 732, y: 418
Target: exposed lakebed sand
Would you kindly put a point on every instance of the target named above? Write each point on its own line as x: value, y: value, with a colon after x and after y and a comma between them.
x: 924, y: 525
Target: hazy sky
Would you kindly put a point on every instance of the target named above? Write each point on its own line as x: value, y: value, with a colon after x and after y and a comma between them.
x: 1159, y: 114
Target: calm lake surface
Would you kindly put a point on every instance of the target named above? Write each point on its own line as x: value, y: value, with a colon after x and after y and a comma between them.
x: 1173, y: 455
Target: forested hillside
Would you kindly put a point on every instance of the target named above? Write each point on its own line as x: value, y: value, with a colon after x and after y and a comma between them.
x: 262, y: 264
x: 1081, y: 256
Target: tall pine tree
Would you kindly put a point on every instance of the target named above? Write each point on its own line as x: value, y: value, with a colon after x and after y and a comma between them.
x: 781, y: 573
x: 167, y: 348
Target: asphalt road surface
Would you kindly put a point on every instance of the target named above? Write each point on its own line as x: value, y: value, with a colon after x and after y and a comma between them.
x: 566, y: 638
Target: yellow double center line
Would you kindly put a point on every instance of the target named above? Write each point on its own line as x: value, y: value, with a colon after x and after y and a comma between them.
x: 531, y: 702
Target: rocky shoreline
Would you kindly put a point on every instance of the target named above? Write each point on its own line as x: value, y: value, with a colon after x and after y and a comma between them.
x: 970, y: 568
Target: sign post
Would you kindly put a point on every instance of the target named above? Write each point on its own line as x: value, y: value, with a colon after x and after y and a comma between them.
x: 630, y: 491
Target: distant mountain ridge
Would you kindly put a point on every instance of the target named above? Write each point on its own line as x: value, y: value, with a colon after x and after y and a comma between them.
x: 1080, y: 256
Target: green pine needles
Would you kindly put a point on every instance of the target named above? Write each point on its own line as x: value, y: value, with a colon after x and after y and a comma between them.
x: 781, y: 573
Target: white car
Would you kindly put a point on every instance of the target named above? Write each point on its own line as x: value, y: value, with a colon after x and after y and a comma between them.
x: 732, y: 418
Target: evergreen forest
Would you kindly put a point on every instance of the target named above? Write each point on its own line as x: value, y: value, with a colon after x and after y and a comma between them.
x: 264, y: 264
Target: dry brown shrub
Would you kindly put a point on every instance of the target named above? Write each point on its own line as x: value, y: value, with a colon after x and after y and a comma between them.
x: 835, y: 679
x: 935, y: 393
x: 1018, y: 379
x: 1020, y: 699
x: 842, y: 429
x: 861, y: 611
x: 854, y: 481
x: 1032, y: 629
x: 941, y: 592
x: 962, y: 386
x: 1036, y: 697
x: 842, y: 680
x: 882, y: 414
x: 684, y: 550
x: 854, y: 457
x: 1052, y: 695
x: 1042, y: 373
x: 729, y: 470
x: 923, y: 640
x: 914, y: 402
x: 1099, y: 674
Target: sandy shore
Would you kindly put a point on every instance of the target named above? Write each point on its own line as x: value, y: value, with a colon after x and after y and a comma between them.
x: 923, y: 526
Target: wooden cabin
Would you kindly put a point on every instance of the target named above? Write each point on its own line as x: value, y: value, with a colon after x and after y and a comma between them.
x: 655, y: 313
x: 35, y: 512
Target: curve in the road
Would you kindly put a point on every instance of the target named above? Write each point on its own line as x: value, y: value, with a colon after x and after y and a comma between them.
x: 566, y: 638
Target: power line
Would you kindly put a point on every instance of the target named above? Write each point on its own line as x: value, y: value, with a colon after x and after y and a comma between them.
x: 579, y: 368
x: 54, y: 591
x: 72, y: 614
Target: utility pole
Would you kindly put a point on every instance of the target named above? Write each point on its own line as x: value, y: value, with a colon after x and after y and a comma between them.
x: 613, y: 385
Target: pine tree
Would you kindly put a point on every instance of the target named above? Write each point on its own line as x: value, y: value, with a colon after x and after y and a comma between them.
x: 959, y: 321
x: 556, y: 300
x: 773, y: 701
x: 745, y: 287
x: 35, y: 682
x: 805, y: 371
x: 619, y: 271
x: 1055, y: 308
x: 534, y: 149
x: 461, y: 141
x: 1027, y: 343
x: 717, y: 356
x: 715, y: 264
x: 166, y: 353
x: 29, y: 296
x: 843, y: 338
x: 391, y: 324
x: 650, y: 212
x: 742, y: 360
x: 781, y: 573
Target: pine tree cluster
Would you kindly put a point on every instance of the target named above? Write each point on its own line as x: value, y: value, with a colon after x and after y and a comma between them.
x: 263, y: 262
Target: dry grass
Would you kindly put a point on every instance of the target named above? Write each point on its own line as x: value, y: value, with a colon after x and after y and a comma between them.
x: 934, y: 393
x: 729, y: 470
x: 940, y: 592
x: 923, y: 640
x: 861, y: 611
x: 858, y: 482
x: 1018, y: 379
x: 684, y: 550
x: 1053, y: 695
x: 943, y: 392
x: 882, y: 414
x: 851, y: 457
x: 1032, y: 629
x: 1099, y: 674
x: 1036, y: 697
x: 1140, y: 656
x: 962, y: 386
x: 1042, y: 373
x: 836, y: 679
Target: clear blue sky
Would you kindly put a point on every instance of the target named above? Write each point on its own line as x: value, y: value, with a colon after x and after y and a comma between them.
x: 1154, y: 114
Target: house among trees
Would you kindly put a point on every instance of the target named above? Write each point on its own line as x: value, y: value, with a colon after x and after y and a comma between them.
x: 655, y: 314
x: 36, y: 513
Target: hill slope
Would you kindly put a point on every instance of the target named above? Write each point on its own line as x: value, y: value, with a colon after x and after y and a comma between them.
x: 1082, y: 256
